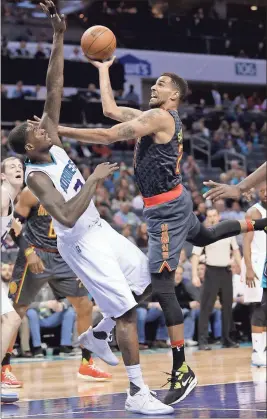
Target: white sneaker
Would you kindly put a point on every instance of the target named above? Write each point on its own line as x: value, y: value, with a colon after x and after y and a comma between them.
x: 190, y: 342
x: 8, y: 396
x: 145, y: 403
x: 99, y: 347
x: 258, y: 359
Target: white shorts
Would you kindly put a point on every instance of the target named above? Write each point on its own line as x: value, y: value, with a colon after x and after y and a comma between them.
x: 253, y: 295
x: 6, y: 306
x: 110, y: 267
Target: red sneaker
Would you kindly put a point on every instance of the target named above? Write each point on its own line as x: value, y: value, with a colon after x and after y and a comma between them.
x: 88, y: 371
x: 8, y: 379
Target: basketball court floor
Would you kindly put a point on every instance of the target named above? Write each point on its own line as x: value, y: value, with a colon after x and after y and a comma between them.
x: 228, y: 387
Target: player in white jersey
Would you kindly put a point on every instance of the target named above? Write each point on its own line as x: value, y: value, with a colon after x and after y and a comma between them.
x: 254, y: 248
x: 109, y: 265
x: 11, y: 183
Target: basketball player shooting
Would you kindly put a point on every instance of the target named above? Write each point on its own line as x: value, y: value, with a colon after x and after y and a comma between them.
x: 114, y: 271
x: 168, y: 206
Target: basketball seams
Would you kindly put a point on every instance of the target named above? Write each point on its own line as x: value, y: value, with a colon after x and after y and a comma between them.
x: 107, y: 46
x: 101, y: 33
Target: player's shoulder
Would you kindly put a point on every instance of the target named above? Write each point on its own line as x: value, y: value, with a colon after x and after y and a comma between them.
x: 26, y: 195
x: 253, y: 212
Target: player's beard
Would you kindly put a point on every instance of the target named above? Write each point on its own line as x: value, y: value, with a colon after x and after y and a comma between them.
x: 156, y: 104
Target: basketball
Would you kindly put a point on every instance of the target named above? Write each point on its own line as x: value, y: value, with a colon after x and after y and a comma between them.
x: 98, y: 43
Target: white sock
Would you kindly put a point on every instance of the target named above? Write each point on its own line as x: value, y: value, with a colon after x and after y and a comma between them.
x: 106, y: 325
x: 135, y: 375
x: 257, y: 341
x: 263, y: 342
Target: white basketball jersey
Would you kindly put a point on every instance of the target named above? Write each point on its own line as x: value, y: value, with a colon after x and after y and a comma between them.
x: 68, y: 180
x: 6, y: 221
x: 258, y: 245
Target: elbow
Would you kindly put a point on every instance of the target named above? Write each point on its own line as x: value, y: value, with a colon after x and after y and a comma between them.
x: 109, y: 112
x: 109, y: 137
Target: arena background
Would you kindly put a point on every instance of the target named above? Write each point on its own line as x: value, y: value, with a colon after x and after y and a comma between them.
x: 219, y: 46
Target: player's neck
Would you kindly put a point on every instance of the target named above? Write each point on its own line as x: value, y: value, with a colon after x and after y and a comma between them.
x: 41, y: 158
x: 12, y: 190
x: 169, y: 107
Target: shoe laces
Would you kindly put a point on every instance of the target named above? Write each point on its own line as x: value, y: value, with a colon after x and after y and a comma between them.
x: 173, y: 379
x: 8, y: 374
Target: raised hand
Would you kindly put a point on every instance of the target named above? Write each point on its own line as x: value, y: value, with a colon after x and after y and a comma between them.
x: 104, y: 170
x: 99, y: 64
x: 221, y: 191
x: 57, y: 21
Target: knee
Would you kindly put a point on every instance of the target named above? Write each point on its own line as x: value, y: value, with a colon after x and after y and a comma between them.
x: 20, y: 309
x: 82, y: 305
x: 141, y: 313
x: 32, y: 314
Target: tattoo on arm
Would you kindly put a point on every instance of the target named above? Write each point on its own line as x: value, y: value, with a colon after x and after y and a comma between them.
x: 129, y: 130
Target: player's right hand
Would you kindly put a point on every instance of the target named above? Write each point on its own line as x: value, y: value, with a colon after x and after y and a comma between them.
x: 100, y: 64
x: 104, y: 170
x: 251, y: 277
x: 35, y: 263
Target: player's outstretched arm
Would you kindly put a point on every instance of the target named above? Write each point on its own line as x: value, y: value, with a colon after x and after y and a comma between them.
x: 221, y: 191
x: 67, y: 213
x: 149, y: 122
x: 54, y: 77
x: 110, y: 108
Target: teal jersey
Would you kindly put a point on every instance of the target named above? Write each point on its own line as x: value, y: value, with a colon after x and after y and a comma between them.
x: 264, y: 275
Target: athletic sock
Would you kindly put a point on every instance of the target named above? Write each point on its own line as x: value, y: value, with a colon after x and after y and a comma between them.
x: 135, y: 377
x: 177, y: 354
x: 7, y: 357
x: 257, y: 342
x: 86, y: 355
x: 263, y: 342
x: 103, y: 328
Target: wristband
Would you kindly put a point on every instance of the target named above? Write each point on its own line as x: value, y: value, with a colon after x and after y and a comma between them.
x: 29, y: 251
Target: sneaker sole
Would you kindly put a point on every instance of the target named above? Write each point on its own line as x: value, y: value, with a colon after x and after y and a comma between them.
x: 6, y: 385
x: 258, y: 365
x: 150, y: 413
x: 5, y: 400
x: 90, y: 378
x: 191, y: 387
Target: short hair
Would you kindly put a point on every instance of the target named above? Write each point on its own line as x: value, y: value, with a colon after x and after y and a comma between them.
x: 3, y: 163
x: 17, y: 138
x: 179, y: 83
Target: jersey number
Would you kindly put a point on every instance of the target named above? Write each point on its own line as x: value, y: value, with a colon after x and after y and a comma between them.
x: 51, y: 232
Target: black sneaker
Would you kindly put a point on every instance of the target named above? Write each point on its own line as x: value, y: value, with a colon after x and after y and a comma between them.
x: 38, y: 352
x: 66, y: 351
x: 182, y: 383
x: 228, y: 343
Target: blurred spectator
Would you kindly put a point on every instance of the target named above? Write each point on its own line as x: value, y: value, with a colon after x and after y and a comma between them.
x: 22, y: 51
x: 253, y: 101
x: 142, y: 236
x: 240, y: 101
x: 119, y: 94
x: 121, y: 196
x: 5, y: 52
x: 190, y: 169
x: 127, y: 232
x: 235, y: 174
x: 219, y: 9
x: 125, y: 216
x: 46, y: 312
x: 91, y: 93
x: 131, y: 96
x: 201, y: 212
x: 147, y: 313
x: 242, y: 54
x: 76, y: 55
x: 4, y: 145
x: 186, y: 265
x: 18, y: 92
x: 40, y: 52
x: 226, y: 103
x: 216, y: 97
x: 101, y: 150
x: 4, y: 92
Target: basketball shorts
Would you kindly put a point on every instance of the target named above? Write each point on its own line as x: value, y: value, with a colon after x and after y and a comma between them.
x: 169, y: 225
x: 62, y: 280
x: 253, y: 295
x: 6, y: 306
x: 110, y: 267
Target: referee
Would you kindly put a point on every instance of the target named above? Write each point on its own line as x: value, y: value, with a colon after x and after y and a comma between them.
x: 218, y: 279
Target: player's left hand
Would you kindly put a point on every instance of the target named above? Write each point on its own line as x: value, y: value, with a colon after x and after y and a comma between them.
x: 58, y: 21
x: 221, y: 191
x: 17, y: 226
